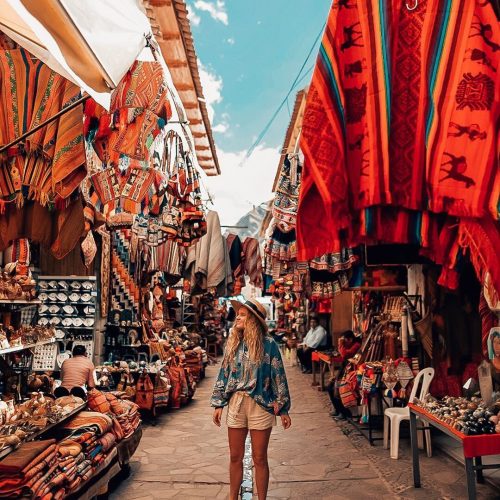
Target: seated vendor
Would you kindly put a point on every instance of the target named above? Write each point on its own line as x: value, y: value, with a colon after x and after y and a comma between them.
x: 494, y: 354
x: 316, y: 337
x: 77, y: 372
x: 349, y: 345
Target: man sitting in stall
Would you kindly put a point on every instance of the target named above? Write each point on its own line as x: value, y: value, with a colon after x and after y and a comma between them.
x: 349, y: 345
x: 316, y: 338
x: 76, y: 373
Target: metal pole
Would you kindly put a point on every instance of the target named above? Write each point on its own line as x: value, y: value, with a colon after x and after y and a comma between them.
x: 45, y: 123
x: 52, y: 118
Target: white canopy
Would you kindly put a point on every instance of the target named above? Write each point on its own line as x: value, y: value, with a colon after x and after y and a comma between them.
x: 93, y: 43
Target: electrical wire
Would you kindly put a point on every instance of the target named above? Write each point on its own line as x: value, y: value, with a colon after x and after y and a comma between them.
x: 298, y: 79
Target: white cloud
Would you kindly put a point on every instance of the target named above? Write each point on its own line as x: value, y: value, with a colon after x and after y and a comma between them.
x: 231, y: 41
x: 193, y: 17
x: 242, y: 184
x: 223, y: 127
x: 220, y: 128
x: 217, y: 10
x: 212, y: 88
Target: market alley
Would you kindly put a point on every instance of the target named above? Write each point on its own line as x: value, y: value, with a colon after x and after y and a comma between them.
x: 185, y: 456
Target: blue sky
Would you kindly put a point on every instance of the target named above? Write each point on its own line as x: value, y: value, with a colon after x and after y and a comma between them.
x: 257, y: 55
x: 250, y: 51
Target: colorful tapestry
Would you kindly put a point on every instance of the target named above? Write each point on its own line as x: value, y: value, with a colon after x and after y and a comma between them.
x: 50, y: 164
x: 105, y: 268
x: 399, y: 124
x: 128, y: 143
x: 462, y: 155
x: 124, y: 290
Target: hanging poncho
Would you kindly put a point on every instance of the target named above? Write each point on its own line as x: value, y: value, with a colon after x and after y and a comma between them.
x: 48, y: 165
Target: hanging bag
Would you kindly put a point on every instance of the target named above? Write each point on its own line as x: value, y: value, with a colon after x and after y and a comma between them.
x: 161, y: 391
x: 144, y: 396
x: 348, y: 388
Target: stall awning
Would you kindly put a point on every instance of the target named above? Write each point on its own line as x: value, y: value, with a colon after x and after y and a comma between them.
x: 92, y: 43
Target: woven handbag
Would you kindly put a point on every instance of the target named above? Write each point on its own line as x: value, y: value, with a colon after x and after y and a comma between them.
x: 144, y: 392
x: 348, y: 389
x: 161, y: 394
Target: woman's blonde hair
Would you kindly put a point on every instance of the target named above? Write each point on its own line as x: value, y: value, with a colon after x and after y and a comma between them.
x: 253, y: 334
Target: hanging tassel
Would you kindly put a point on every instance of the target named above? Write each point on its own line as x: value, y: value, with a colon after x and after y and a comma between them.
x: 19, y: 200
x: 2, y: 207
x: 365, y: 417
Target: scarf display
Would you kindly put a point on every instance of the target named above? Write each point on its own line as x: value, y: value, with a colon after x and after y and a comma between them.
x: 322, y: 277
x: 236, y: 259
x: 399, y: 127
x: 27, y: 471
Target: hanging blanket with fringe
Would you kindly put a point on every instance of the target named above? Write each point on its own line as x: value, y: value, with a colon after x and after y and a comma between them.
x: 400, y: 112
x: 48, y: 165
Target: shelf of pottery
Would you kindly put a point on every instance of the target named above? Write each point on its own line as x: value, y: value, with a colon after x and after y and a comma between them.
x: 68, y: 304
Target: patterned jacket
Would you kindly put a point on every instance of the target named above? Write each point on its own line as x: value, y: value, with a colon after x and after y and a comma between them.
x: 266, y: 383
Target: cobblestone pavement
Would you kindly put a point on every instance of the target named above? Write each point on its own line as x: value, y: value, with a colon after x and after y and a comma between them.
x: 185, y: 456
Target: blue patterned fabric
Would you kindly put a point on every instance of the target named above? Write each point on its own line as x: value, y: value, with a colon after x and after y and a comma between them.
x: 266, y: 382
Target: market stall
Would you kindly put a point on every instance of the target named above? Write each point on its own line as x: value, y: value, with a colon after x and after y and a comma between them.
x: 100, y: 205
x: 476, y: 435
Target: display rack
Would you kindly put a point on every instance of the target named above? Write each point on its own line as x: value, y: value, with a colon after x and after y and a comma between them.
x: 25, y: 346
x: 69, y: 304
x: 188, y: 312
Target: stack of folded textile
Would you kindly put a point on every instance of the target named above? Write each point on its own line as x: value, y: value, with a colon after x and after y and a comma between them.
x: 85, y: 445
x: 29, y: 470
x: 124, y: 413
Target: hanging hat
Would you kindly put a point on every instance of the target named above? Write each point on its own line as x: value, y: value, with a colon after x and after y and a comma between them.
x: 255, y: 307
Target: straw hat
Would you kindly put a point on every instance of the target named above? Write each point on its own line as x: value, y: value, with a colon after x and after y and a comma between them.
x: 254, y: 307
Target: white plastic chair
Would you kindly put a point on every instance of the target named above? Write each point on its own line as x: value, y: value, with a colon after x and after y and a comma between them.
x: 394, y: 416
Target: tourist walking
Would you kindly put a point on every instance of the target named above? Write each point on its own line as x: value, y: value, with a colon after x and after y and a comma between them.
x: 252, y: 384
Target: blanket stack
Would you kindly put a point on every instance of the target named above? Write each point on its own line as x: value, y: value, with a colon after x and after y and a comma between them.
x: 87, y: 441
x: 28, y: 470
x: 124, y: 414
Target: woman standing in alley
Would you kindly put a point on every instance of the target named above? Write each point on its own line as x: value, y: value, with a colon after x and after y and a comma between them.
x: 252, y: 384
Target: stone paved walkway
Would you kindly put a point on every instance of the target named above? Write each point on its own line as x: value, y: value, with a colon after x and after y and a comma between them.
x: 185, y: 456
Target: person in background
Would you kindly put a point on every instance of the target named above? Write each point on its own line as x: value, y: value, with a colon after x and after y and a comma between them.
x: 76, y: 373
x: 494, y: 355
x: 316, y: 337
x: 349, y: 345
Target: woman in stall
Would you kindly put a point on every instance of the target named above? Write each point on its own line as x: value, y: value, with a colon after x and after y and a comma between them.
x: 252, y: 384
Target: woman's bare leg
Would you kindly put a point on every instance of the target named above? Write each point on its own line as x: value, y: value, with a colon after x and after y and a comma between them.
x: 260, y: 442
x: 237, y: 452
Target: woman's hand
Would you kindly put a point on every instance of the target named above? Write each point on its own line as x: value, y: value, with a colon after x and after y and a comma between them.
x: 286, y: 421
x: 217, y: 416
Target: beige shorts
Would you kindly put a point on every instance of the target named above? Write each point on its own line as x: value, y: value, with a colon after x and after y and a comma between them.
x: 244, y: 413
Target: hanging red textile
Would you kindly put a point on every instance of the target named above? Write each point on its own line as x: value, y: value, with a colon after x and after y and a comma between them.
x: 399, y: 126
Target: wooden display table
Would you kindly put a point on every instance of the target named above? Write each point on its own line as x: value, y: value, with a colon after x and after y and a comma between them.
x: 327, y: 363
x: 474, y: 447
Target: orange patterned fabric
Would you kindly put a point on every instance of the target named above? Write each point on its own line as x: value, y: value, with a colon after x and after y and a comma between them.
x: 50, y: 164
x: 128, y: 143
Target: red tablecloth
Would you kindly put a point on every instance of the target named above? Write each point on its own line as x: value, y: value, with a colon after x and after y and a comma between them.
x: 327, y: 358
x: 474, y: 446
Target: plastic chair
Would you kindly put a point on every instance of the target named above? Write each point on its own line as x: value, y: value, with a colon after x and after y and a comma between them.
x: 394, y: 416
